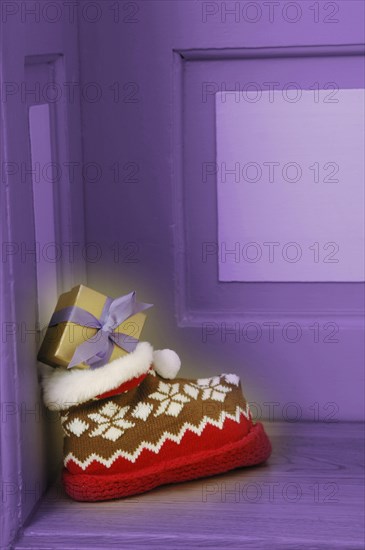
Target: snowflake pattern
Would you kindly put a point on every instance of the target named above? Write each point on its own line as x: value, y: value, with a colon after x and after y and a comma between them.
x: 191, y: 390
x: 77, y: 426
x: 142, y: 411
x: 63, y: 418
x: 110, y: 421
x: 232, y: 379
x: 171, y: 400
x: 213, y: 389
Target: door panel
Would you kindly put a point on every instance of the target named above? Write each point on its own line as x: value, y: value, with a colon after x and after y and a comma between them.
x: 202, y: 80
x: 276, y: 179
x: 290, y: 341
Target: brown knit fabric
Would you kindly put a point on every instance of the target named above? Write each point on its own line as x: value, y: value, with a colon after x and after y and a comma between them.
x: 145, y: 414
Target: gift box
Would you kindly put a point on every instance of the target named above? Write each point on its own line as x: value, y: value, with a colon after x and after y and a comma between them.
x: 89, y: 329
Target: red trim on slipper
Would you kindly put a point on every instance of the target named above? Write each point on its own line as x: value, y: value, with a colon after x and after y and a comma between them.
x: 126, y: 386
x: 250, y: 450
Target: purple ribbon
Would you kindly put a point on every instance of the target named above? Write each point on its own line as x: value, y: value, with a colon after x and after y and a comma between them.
x: 96, y: 351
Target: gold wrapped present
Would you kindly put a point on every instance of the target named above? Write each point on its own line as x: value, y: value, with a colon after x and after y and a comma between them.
x: 64, y: 336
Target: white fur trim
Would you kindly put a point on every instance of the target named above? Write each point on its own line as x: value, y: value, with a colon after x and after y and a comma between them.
x: 166, y: 362
x: 64, y: 388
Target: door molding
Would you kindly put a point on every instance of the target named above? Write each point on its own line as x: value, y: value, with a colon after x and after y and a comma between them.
x: 25, y: 462
x: 268, y: 52
x: 192, y: 317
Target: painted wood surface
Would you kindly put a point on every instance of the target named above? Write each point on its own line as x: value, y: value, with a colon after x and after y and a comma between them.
x: 308, y: 496
x: 29, y: 443
x: 157, y: 211
x: 302, y: 195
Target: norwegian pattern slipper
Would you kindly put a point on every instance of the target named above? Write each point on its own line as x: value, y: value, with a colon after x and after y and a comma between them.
x: 131, y: 425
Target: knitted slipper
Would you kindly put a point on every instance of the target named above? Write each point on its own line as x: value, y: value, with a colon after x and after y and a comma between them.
x: 128, y: 428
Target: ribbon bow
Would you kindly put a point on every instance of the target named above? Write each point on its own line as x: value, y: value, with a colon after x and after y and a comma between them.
x: 96, y: 351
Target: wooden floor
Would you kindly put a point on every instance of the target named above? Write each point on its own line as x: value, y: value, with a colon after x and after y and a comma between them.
x: 310, y: 495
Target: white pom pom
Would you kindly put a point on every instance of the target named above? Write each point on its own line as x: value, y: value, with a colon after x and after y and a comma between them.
x: 166, y: 362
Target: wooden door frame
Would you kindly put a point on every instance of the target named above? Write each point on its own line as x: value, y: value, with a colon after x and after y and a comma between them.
x: 16, y: 484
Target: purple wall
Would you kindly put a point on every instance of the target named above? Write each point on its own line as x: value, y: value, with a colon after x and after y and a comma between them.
x: 159, y: 214
x: 138, y: 212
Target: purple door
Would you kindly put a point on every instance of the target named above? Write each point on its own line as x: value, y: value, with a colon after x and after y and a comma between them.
x: 207, y: 154
x: 237, y: 206
x: 41, y: 211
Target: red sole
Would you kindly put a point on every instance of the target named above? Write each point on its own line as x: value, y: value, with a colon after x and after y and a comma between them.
x: 253, y: 449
